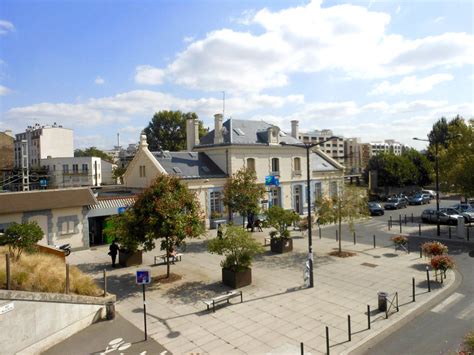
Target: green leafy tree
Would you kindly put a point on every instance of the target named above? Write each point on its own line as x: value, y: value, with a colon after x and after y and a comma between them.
x: 280, y: 219
x: 118, y: 172
x: 21, y: 237
x: 167, y: 130
x: 166, y: 211
x: 422, y: 168
x: 242, y: 193
x: 92, y: 152
x: 238, y: 247
x: 348, y: 205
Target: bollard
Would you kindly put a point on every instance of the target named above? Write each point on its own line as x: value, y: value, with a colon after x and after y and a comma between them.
x: 67, y: 278
x: 419, y: 229
x: 428, y: 279
x: 7, y: 270
x: 421, y: 252
x: 349, y: 327
x: 400, y: 219
x: 396, y: 297
x: 374, y: 240
x: 467, y: 234
x: 412, y: 218
x: 327, y: 340
x: 354, y: 238
x: 337, y: 237
x: 408, y: 246
x: 400, y: 226
x: 302, y: 348
x: 390, y: 223
x: 319, y: 232
x: 405, y: 219
x: 105, y: 282
x: 449, y: 232
x: 413, y: 288
x: 368, y: 316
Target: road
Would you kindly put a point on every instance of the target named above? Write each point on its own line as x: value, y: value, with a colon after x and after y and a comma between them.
x: 441, y: 329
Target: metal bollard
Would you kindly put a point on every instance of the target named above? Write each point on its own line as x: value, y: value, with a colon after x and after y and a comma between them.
x: 405, y: 219
x: 412, y: 218
x: 400, y: 226
x: 428, y: 279
x: 368, y: 316
x: 374, y: 240
x: 421, y: 252
x: 408, y: 246
x: 354, y: 238
x: 419, y: 229
x: 349, y: 327
x: 302, y: 348
x: 105, y: 282
x: 319, y: 232
x: 449, y: 232
x: 7, y: 271
x: 413, y: 288
x: 327, y: 340
x: 337, y: 237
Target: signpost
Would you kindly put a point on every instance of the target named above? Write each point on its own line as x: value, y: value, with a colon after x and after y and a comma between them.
x: 143, y: 277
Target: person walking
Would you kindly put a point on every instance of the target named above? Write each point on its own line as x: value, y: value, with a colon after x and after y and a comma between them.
x: 113, y: 250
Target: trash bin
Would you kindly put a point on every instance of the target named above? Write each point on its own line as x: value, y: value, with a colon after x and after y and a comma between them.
x: 110, y: 310
x: 382, y: 301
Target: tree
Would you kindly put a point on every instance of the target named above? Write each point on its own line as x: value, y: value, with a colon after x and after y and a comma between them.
x: 166, y: 211
x: 21, y: 237
x: 242, y: 193
x: 348, y: 205
x: 421, y: 166
x: 92, y: 152
x: 280, y: 219
x: 118, y: 172
x: 167, y: 130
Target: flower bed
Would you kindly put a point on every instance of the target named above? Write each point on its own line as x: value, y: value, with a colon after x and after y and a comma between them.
x: 434, y: 248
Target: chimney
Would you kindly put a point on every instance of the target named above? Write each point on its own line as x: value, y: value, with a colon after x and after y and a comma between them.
x: 196, y: 132
x: 190, y: 134
x: 218, y: 138
x: 294, y: 129
x: 143, y: 142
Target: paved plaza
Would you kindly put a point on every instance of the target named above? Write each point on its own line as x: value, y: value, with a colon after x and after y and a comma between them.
x: 278, y: 313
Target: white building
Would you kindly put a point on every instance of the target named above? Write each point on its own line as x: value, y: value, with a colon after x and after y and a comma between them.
x: 387, y: 146
x: 334, y: 148
x: 40, y: 142
x: 78, y: 171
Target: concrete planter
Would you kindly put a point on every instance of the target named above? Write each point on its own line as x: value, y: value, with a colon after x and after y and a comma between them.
x: 281, y: 245
x: 130, y: 259
x: 236, y: 279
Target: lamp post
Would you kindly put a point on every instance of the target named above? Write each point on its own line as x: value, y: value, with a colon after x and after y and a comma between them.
x: 308, y: 147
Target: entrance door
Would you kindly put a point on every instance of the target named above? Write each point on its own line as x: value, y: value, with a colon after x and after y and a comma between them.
x: 297, y: 199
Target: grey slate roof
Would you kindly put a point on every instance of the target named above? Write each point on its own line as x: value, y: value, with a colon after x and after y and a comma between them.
x: 189, y: 165
x: 318, y: 163
x: 247, y: 133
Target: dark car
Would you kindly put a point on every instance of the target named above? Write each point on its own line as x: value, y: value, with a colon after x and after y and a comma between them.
x: 376, y: 209
x: 395, y: 203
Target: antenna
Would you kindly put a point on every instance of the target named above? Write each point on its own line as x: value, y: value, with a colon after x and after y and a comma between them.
x: 223, y: 104
x: 118, y: 139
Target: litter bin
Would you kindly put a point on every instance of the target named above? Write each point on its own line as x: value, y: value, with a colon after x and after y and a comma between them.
x: 382, y: 301
x: 109, y: 310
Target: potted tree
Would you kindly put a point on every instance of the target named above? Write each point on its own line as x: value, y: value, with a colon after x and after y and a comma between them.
x: 280, y: 219
x: 239, y: 248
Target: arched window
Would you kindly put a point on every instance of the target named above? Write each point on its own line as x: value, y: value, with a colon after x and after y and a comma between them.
x: 251, y: 164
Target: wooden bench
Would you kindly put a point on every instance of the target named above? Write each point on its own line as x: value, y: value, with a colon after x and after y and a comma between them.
x: 177, y: 257
x: 221, y: 298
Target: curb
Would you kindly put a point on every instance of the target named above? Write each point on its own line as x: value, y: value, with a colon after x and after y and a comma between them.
x: 366, y: 343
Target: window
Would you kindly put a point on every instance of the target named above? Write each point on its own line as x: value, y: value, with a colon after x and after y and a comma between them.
x: 333, y: 189
x: 85, y: 168
x: 297, y: 166
x: 215, y: 200
x: 275, y: 165
x: 251, y: 164
x: 142, y: 171
x: 65, y: 169
x: 66, y: 227
x: 75, y: 168
x: 274, y: 194
x: 318, y: 192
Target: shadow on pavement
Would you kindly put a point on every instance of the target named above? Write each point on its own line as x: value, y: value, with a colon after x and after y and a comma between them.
x: 95, y: 268
x: 293, y: 260
x: 194, y: 291
x: 419, y: 267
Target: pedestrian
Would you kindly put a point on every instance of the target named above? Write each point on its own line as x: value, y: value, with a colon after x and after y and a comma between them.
x: 219, y: 231
x: 113, y: 250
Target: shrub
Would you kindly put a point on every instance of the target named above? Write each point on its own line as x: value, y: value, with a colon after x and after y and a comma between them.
x: 21, y: 237
x: 237, y: 246
x: 399, y: 240
x: 442, y: 262
x: 280, y: 219
x: 434, y: 248
x: 469, y: 342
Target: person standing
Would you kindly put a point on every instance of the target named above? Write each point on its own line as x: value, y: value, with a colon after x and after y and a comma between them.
x: 113, y: 250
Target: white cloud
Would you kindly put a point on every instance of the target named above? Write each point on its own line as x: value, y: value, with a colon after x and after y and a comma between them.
x: 439, y: 19
x: 6, y: 27
x: 411, y: 85
x: 188, y: 39
x: 149, y: 75
x: 346, y: 38
x: 99, y: 81
x: 4, y: 90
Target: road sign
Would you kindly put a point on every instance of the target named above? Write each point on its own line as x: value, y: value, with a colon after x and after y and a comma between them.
x: 43, y: 182
x: 121, y: 210
x: 271, y: 180
x: 143, y: 276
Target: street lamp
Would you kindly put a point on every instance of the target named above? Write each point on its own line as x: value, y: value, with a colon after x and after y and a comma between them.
x: 308, y: 147
x: 436, y: 143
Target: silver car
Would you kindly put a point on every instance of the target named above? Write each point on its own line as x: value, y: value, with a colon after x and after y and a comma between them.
x: 465, y: 210
x: 430, y: 216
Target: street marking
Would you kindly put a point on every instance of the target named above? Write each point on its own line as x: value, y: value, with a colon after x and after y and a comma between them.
x: 448, y: 302
x: 466, y: 313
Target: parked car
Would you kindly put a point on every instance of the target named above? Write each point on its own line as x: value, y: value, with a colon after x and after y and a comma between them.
x: 465, y: 210
x: 395, y: 203
x: 376, y: 209
x: 429, y: 192
x: 419, y: 199
x: 430, y: 216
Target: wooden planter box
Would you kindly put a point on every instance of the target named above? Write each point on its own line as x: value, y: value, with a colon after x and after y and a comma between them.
x: 281, y: 245
x: 236, y: 279
x: 130, y: 259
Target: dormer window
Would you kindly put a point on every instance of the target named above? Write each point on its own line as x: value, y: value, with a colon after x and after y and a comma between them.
x: 273, y: 135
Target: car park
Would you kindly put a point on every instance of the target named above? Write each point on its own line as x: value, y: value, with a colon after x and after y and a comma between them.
x: 395, y: 203
x: 430, y: 216
x: 376, y: 209
x: 419, y: 199
x: 465, y: 210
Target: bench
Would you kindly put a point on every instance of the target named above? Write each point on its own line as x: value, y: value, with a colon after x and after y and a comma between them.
x: 177, y: 257
x: 221, y: 298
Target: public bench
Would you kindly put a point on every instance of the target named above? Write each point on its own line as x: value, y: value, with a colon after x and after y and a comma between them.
x: 177, y: 257
x: 222, y: 298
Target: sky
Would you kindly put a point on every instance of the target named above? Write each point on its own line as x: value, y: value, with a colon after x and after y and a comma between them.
x: 370, y: 69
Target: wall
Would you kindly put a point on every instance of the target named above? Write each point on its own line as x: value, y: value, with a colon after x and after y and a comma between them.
x: 41, y: 320
x: 6, y: 151
x: 57, y: 142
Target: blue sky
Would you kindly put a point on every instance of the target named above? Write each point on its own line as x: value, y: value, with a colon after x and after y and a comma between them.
x: 369, y: 69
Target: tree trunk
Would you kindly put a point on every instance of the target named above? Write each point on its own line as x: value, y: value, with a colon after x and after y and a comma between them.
x: 168, y: 251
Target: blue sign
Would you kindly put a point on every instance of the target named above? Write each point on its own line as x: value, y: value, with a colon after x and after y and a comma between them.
x: 43, y: 182
x: 143, y: 276
x: 121, y: 210
x: 272, y: 180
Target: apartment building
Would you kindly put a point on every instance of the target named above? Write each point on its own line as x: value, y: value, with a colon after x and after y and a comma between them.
x: 334, y: 148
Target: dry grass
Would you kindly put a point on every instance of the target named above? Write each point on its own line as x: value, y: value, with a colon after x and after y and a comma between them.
x: 40, y: 272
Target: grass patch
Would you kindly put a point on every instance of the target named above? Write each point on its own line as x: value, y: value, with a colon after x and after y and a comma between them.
x: 469, y: 342
x: 39, y: 272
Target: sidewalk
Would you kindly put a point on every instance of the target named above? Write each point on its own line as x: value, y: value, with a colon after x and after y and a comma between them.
x: 277, y: 313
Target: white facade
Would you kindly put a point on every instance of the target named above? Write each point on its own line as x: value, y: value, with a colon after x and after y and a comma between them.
x: 334, y: 148
x: 78, y: 171
x: 42, y: 142
x: 387, y: 146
